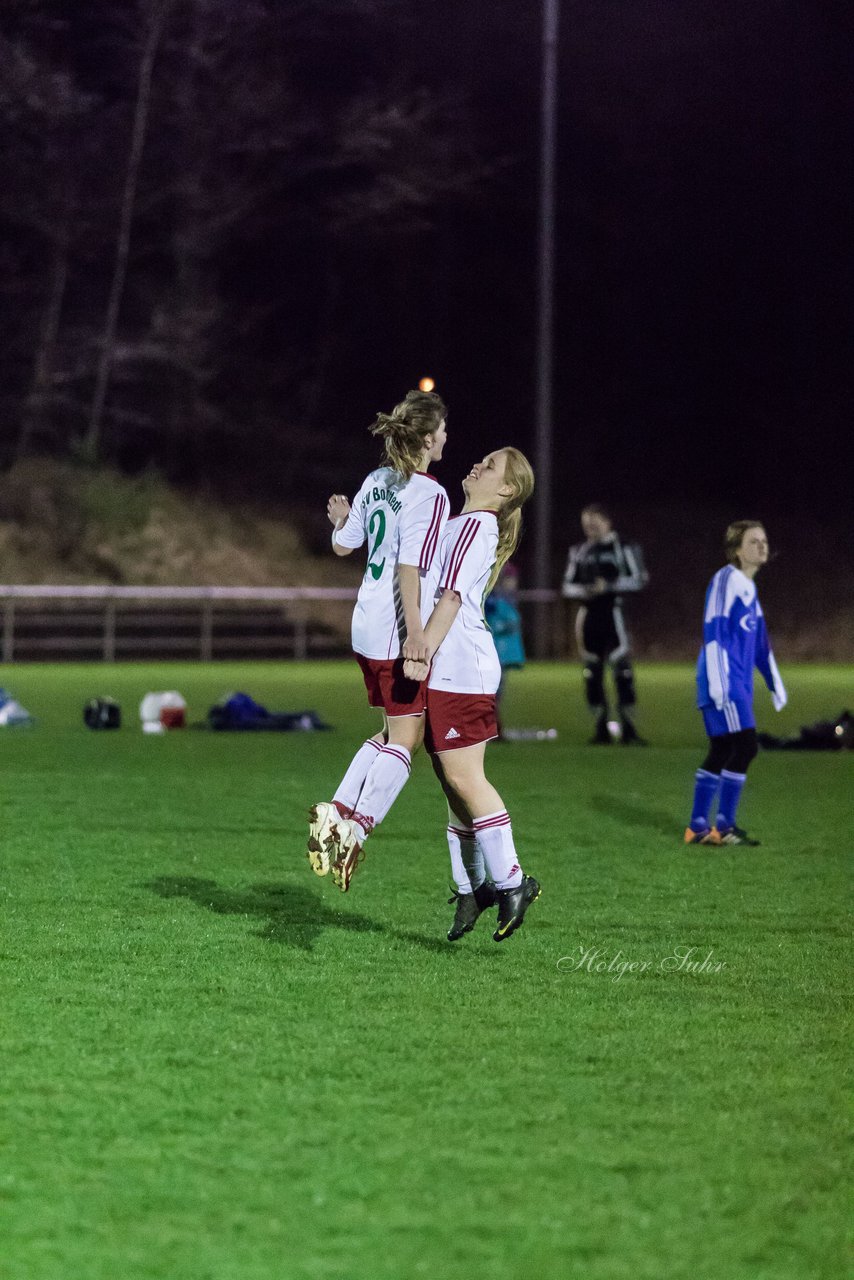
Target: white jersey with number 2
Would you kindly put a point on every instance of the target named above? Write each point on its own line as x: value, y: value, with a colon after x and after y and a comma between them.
x: 467, y: 661
x: 401, y: 521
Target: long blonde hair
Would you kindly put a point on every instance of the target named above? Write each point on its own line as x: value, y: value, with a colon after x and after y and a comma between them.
x: 404, y: 430
x: 519, y: 475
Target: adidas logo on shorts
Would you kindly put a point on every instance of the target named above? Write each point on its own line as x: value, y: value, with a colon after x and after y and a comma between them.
x: 452, y: 733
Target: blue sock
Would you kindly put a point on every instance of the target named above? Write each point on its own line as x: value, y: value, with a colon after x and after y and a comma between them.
x: 731, y: 788
x: 705, y: 789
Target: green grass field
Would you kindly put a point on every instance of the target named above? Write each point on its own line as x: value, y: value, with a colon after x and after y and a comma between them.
x: 217, y: 1067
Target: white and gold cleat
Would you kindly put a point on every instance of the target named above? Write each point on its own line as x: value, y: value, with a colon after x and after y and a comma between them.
x: 348, y: 853
x: 322, y: 836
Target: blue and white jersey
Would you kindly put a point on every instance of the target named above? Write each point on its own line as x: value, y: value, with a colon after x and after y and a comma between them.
x: 735, y: 640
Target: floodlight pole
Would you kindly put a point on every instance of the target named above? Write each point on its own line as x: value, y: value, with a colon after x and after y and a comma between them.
x: 545, y: 327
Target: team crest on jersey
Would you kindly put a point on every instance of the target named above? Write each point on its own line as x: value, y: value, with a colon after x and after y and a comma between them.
x: 747, y: 623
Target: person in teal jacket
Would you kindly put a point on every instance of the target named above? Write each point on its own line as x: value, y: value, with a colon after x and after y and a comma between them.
x: 505, y: 623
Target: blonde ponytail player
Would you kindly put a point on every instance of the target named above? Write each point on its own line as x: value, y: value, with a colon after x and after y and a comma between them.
x: 400, y: 512
x: 461, y: 689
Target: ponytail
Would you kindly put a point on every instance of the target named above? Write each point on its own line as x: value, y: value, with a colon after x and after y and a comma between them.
x: 404, y: 430
x: 509, y: 533
x: 519, y: 475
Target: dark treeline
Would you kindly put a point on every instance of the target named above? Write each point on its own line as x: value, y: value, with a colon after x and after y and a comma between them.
x: 233, y: 231
x: 191, y: 190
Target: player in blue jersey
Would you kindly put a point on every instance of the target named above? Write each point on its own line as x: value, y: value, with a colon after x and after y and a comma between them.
x: 735, y: 640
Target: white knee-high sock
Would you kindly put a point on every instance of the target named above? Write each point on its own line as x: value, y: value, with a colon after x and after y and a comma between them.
x: 467, y: 866
x: 347, y: 795
x: 385, y: 780
x: 495, y: 838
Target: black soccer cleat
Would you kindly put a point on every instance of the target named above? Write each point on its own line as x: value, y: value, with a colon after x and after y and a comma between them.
x: 512, y: 905
x: 732, y: 835
x: 631, y: 737
x: 470, y: 907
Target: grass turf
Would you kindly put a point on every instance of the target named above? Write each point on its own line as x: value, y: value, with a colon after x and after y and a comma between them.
x: 215, y: 1065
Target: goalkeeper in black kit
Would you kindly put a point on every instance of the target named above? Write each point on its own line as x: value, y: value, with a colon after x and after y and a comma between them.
x: 599, y: 572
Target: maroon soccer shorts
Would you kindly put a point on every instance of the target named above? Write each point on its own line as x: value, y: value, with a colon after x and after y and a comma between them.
x: 389, y: 689
x: 459, y: 720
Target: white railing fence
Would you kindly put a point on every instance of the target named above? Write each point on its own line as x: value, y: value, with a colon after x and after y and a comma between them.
x: 206, y: 623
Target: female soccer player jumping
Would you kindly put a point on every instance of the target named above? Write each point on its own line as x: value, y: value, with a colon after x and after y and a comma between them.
x: 734, y: 641
x: 400, y: 511
x: 461, y: 689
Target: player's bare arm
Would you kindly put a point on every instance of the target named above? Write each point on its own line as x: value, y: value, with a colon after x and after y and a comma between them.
x: 440, y: 623
x: 415, y: 645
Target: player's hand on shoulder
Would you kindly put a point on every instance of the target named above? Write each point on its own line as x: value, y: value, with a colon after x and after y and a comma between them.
x: 338, y: 509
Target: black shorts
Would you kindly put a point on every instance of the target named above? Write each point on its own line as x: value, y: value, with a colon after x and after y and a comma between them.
x: 603, y: 633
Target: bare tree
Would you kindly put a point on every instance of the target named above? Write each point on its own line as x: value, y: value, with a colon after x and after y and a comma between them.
x: 41, y: 110
x: 249, y: 193
x: 158, y: 14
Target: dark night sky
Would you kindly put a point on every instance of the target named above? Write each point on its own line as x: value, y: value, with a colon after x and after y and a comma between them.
x: 703, y: 318
x: 703, y: 325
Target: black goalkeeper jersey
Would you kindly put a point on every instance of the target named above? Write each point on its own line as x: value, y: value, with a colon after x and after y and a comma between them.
x: 619, y: 564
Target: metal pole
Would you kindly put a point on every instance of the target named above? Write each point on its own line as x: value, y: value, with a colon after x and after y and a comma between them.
x: 9, y: 630
x: 545, y: 325
x: 206, y: 636
x: 300, y: 634
x: 110, y: 631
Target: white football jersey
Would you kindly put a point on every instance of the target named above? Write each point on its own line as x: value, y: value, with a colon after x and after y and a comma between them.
x: 401, y: 520
x: 467, y: 661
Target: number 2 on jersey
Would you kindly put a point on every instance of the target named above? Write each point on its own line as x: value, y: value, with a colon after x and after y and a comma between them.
x: 377, y: 521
